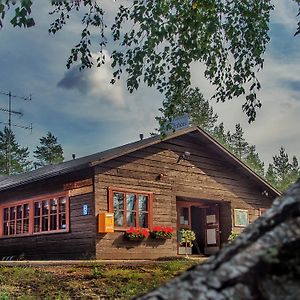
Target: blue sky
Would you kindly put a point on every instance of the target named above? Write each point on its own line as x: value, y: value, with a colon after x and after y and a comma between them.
x: 87, y: 114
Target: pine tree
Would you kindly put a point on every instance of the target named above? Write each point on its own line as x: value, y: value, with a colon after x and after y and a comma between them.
x: 270, y: 175
x: 19, y: 156
x: 199, y: 110
x: 253, y: 161
x: 238, y: 143
x: 295, y: 172
x: 282, y: 166
x: 49, y: 151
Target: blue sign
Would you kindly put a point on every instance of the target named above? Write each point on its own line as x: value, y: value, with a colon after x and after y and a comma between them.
x: 179, y: 123
x: 85, y: 210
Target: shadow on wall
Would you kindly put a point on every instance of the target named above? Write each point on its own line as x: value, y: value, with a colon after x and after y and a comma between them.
x: 117, y: 240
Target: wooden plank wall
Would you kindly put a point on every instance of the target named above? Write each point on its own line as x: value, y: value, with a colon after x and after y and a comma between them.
x: 205, y: 175
x: 78, y: 243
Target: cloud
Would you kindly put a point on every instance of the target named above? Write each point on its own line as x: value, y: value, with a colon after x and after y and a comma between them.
x: 95, y: 82
x: 285, y: 13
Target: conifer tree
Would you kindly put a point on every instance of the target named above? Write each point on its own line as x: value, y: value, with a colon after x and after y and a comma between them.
x: 19, y: 156
x: 238, y: 143
x: 49, y: 151
x: 199, y: 110
x: 295, y: 172
x: 253, y: 160
x: 270, y: 175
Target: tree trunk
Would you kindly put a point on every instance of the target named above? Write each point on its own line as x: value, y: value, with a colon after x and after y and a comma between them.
x: 262, y: 263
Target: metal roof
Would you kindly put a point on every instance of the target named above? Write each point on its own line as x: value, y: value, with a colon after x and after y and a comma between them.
x: 89, y: 161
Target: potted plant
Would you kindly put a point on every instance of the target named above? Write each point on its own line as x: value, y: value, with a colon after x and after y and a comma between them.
x: 161, y: 232
x: 232, y: 236
x: 187, y: 237
x: 136, y: 234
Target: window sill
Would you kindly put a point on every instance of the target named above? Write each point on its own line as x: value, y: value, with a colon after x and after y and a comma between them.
x: 33, y: 234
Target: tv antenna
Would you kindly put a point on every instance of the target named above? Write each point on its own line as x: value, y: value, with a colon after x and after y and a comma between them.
x: 10, y: 113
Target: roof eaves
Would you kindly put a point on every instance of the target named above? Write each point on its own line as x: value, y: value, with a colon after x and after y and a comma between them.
x: 152, y: 141
x: 238, y: 161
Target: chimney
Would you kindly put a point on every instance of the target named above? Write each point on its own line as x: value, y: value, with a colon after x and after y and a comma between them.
x: 73, y: 155
x: 141, y: 136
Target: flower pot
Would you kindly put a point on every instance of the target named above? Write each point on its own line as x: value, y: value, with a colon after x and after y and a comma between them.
x: 182, y: 250
x: 134, y: 238
x: 160, y: 237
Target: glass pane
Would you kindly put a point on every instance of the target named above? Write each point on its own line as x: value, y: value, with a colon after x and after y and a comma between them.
x: 36, y: 224
x: 37, y: 207
x: 12, y: 213
x: 5, y: 228
x: 62, y: 221
x: 62, y: 204
x: 45, y: 207
x: 130, y: 201
x: 25, y: 226
x: 19, y: 227
x: 53, y: 222
x: 184, y: 216
x: 19, y: 212
x: 26, y: 210
x: 5, y: 214
x: 53, y: 206
x: 143, y: 220
x: 118, y: 201
x: 12, y: 227
x: 143, y: 203
x: 45, y: 223
x: 119, y: 218
x: 130, y: 219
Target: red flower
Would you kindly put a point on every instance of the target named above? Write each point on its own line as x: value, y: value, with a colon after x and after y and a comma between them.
x: 134, y: 232
x: 162, y: 231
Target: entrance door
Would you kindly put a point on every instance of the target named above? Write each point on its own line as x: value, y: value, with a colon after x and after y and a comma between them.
x: 212, y: 232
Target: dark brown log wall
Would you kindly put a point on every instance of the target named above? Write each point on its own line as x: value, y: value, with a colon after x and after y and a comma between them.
x: 205, y: 175
x: 78, y: 243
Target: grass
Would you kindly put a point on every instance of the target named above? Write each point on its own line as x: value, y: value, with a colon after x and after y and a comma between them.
x: 82, y: 282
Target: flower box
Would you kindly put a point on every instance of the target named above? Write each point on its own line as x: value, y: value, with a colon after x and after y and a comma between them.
x: 162, y: 232
x: 136, y: 234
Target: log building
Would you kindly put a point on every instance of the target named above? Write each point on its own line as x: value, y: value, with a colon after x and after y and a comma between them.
x: 187, y: 180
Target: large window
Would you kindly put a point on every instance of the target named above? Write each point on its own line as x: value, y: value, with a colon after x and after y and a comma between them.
x: 50, y: 215
x: 130, y: 208
x: 39, y: 215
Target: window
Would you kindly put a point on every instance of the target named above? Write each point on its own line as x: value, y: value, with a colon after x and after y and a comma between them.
x: 50, y: 215
x: 16, y: 219
x: 42, y: 215
x: 130, y: 208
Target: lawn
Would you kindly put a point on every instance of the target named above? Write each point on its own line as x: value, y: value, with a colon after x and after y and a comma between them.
x: 87, y: 282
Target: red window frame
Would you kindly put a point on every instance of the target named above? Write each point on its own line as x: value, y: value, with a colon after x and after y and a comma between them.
x: 31, y: 216
x: 112, y: 190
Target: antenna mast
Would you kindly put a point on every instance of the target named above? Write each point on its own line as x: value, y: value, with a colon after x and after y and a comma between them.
x: 9, y: 123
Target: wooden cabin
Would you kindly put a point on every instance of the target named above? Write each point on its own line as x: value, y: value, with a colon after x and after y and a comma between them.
x: 187, y: 180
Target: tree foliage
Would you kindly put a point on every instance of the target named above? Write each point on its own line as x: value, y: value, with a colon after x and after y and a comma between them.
x: 19, y: 156
x: 283, y: 172
x: 196, y: 106
x: 165, y: 37
x: 49, y: 151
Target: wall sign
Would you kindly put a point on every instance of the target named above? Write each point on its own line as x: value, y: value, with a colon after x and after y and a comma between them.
x: 78, y: 184
x: 85, y: 210
x: 241, y: 217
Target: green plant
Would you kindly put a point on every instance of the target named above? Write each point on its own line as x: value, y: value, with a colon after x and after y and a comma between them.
x: 187, y: 237
x: 97, y: 272
x: 4, y: 296
x: 232, y: 236
x: 135, y: 233
x: 162, y: 232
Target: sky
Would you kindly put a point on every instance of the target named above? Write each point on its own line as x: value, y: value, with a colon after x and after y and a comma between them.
x: 87, y: 114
